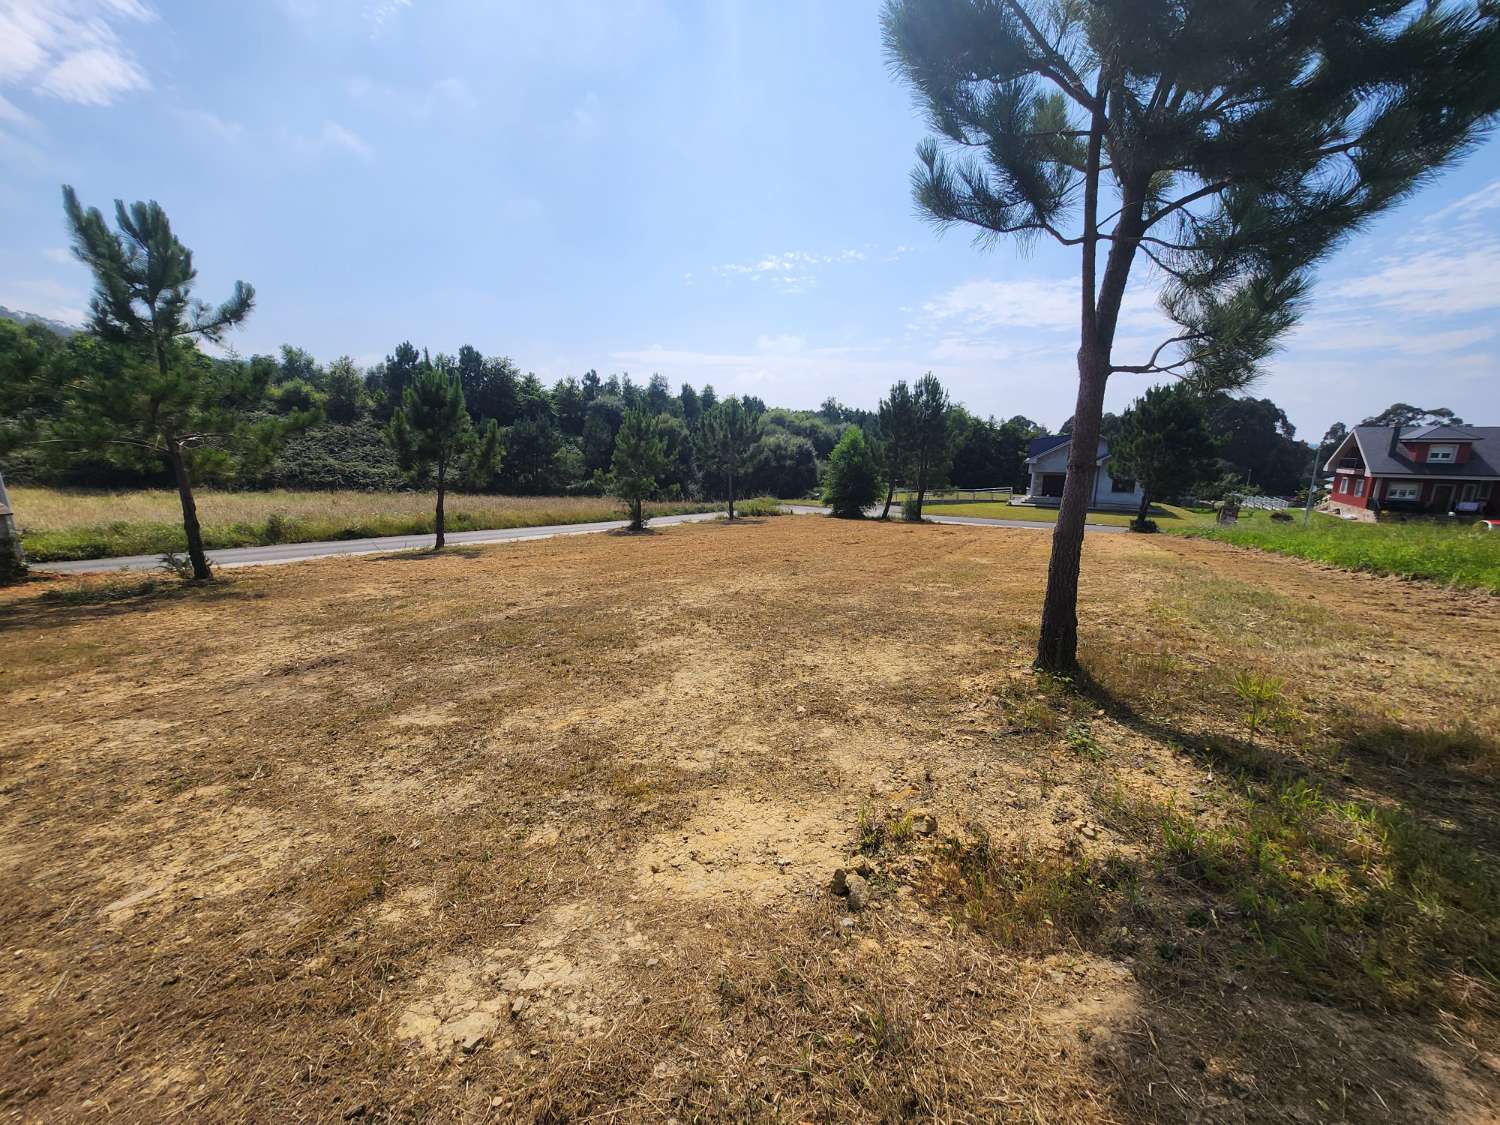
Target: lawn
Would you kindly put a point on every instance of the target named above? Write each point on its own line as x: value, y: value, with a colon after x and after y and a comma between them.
x: 60, y: 524
x: 1003, y: 510
x: 546, y: 831
x: 1451, y: 554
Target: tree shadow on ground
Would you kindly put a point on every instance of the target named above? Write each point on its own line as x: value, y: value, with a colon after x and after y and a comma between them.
x: 1333, y: 921
x: 61, y: 606
x: 425, y: 554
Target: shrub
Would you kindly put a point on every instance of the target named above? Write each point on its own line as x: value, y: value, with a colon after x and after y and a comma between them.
x: 911, y: 511
x: 1142, y: 525
x: 1282, y: 517
x: 852, y: 482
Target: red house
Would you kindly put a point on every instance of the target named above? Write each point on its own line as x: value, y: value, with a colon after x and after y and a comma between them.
x: 1435, y: 469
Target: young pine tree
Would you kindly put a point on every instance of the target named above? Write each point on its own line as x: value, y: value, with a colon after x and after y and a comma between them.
x: 1231, y: 143
x: 898, y: 423
x: 640, y: 460
x: 1166, y: 443
x: 435, y: 439
x: 151, y: 391
x: 729, y: 434
x: 851, y: 483
x: 931, y: 438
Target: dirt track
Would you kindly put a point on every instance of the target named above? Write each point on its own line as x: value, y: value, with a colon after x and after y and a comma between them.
x: 545, y: 831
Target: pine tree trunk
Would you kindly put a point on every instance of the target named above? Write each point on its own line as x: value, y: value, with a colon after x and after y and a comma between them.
x: 1057, y: 647
x: 12, y: 556
x: 890, y: 491
x: 1145, y: 504
x: 438, y: 520
x: 190, y: 526
x: 731, y: 494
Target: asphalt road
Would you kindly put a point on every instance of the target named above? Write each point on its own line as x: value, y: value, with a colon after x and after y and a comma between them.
x: 298, y: 552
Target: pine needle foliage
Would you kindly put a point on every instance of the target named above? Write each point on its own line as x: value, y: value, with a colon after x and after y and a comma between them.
x: 435, y: 439
x: 1165, y: 442
x: 728, y: 438
x: 640, y: 460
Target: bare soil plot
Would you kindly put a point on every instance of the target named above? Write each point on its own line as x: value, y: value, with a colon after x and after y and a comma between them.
x: 547, y: 831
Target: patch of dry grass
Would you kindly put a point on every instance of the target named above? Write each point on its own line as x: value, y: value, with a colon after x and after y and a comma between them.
x: 544, y: 832
x: 58, y: 524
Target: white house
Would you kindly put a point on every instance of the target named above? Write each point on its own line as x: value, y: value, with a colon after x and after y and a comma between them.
x: 1047, y: 462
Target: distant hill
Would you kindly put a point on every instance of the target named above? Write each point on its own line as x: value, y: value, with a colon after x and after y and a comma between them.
x: 31, y: 318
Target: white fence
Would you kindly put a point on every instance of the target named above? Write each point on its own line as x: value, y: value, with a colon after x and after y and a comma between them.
x: 1270, y: 503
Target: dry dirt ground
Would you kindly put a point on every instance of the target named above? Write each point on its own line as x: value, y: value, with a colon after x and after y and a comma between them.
x: 546, y: 832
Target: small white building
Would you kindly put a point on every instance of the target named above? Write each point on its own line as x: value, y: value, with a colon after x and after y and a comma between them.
x: 1047, y: 462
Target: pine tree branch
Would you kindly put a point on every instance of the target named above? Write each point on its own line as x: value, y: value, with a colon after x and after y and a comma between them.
x: 1060, y: 71
x: 1150, y: 366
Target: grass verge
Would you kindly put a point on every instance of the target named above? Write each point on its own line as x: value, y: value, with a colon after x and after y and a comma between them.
x: 1457, y: 556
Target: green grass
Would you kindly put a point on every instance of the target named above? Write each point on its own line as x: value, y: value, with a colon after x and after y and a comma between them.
x: 1001, y: 510
x: 1457, y: 556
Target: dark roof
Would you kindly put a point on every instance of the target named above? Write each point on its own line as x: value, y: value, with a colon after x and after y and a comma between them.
x: 1039, y: 445
x: 1385, y: 457
x: 1439, y: 431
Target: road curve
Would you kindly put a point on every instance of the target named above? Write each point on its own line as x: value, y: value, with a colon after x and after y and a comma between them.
x: 300, y: 552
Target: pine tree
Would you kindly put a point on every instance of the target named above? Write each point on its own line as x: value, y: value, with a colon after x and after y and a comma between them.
x: 729, y: 435
x: 851, y: 482
x: 435, y: 439
x: 931, y: 438
x: 898, y: 425
x: 1232, y: 143
x: 165, y: 398
x: 1166, y: 443
x: 640, y: 459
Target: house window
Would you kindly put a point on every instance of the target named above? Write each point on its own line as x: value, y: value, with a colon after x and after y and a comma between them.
x: 1121, y: 484
x: 1359, y: 487
x: 1394, y: 491
x: 1442, y: 452
x: 1468, y: 492
x: 1482, y: 492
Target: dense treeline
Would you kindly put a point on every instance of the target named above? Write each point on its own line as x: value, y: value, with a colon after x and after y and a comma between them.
x: 560, y: 440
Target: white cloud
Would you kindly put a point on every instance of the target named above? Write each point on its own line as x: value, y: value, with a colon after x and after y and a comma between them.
x: 70, y: 49
x: 1458, y: 276
x: 420, y: 104
x: 334, y: 138
x: 792, y: 272
x: 383, y: 11
x: 1040, y: 304
x: 203, y: 123
x: 45, y: 298
x: 59, y: 254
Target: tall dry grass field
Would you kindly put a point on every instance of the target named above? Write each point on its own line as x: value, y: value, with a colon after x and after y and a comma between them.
x: 61, y: 524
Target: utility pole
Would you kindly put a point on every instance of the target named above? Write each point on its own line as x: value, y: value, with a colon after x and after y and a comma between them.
x: 1312, y: 481
x: 12, y: 556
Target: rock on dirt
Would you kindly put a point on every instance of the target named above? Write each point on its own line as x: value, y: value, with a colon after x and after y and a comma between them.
x: 923, y: 823
x: 858, y: 890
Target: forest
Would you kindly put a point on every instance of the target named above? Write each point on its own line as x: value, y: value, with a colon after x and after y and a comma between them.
x: 558, y: 439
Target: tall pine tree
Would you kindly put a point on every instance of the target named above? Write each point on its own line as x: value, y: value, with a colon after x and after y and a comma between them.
x: 1233, y: 143
x: 163, y: 398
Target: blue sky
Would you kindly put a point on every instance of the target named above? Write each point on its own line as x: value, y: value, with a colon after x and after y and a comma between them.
x: 716, y: 191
